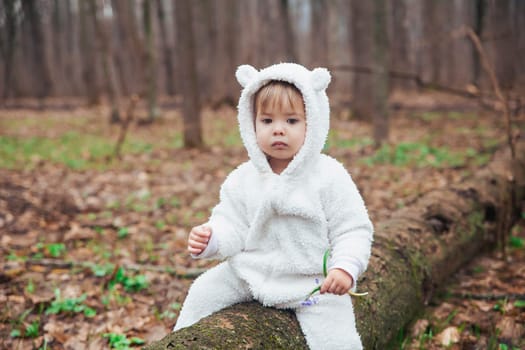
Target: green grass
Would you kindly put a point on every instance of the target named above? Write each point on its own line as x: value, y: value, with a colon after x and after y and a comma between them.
x: 422, y: 155
x: 70, y: 305
x: 121, y: 342
x: 336, y: 140
x: 72, y: 149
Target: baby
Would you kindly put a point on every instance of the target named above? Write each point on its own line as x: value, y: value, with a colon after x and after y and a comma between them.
x: 281, y: 210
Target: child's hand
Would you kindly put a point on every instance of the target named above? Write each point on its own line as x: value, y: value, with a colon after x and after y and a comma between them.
x: 198, y: 239
x: 337, y: 282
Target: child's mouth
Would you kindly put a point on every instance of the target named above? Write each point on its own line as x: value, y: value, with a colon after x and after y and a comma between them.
x: 279, y: 145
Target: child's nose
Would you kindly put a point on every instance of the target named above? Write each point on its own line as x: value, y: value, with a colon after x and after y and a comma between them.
x: 278, y: 128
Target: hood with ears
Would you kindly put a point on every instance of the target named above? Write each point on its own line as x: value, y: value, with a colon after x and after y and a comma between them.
x: 312, y: 84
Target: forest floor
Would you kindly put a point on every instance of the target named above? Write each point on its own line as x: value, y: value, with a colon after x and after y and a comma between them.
x: 92, y: 248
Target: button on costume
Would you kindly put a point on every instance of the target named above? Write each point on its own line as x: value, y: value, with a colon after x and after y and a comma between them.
x: 272, y: 230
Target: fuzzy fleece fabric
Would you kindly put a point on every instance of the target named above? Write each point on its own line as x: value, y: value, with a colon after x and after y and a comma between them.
x: 274, y: 229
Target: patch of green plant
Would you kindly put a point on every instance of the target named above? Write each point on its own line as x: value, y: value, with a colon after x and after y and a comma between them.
x: 337, y: 141
x: 427, y: 336
x: 30, y: 287
x: 160, y: 224
x: 102, y: 270
x: 76, y: 150
x: 177, y: 141
x: 122, y: 232
x: 115, y: 296
x: 70, y: 305
x: 500, y: 306
x: 170, y: 313
x: 516, y: 242
x: 55, y: 249
x: 130, y: 283
x: 14, y: 257
x: 31, y: 330
x: 519, y: 304
x: 175, y: 202
x: 121, y: 342
x: 416, y: 154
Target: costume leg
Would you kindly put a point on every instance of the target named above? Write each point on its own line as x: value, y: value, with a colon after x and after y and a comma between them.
x: 329, y: 324
x: 214, y: 290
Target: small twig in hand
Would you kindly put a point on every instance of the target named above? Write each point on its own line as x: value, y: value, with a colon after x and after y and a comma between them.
x: 325, y: 273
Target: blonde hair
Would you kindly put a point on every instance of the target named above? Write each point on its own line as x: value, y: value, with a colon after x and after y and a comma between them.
x: 277, y: 93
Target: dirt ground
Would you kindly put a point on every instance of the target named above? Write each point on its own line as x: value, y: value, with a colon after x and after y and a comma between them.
x: 94, y: 254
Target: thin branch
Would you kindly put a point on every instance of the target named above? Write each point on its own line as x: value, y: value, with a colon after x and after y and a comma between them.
x: 495, y: 85
x: 125, y: 125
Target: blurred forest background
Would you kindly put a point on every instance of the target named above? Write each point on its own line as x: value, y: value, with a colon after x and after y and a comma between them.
x: 118, y: 126
x: 153, y: 48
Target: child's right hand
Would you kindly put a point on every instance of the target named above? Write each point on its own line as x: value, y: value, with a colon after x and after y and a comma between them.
x: 198, y: 239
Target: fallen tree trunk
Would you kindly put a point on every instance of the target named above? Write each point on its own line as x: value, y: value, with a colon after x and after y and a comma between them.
x: 414, y: 253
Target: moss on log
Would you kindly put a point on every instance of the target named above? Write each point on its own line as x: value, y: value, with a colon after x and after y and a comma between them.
x: 414, y: 252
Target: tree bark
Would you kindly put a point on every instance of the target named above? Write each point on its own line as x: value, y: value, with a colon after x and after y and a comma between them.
x: 8, y: 43
x: 380, y: 79
x: 101, y: 28
x: 362, y: 45
x: 188, y: 68
x: 167, y: 56
x: 151, y: 61
x: 414, y: 252
x: 40, y: 59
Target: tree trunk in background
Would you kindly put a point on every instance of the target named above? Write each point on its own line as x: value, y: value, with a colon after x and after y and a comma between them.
x: 500, y: 41
x: 88, y: 54
x: 72, y: 56
x: 7, y: 44
x: 227, y: 62
x: 131, y: 53
x: 167, y: 50
x: 363, y: 29
x: 48, y: 56
x: 40, y: 59
x: 319, y: 33
x: 151, y: 62
x: 289, y: 40
x: 188, y: 69
x: 380, y: 77
x: 414, y: 253
x: 107, y: 61
x: 399, y: 27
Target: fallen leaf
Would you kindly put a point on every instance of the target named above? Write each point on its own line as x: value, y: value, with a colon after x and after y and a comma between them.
x: 448, y: 336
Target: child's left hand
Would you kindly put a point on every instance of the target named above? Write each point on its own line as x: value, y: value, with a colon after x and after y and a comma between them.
x: 337, y: 282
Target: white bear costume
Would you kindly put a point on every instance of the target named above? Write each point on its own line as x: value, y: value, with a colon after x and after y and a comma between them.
x: 274, y: 229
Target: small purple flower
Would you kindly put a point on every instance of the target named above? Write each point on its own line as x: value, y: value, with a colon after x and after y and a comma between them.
x: 310, y: 301
x: 317, y: 281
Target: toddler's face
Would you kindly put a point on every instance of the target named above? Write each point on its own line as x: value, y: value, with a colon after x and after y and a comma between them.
x: 280, y: 130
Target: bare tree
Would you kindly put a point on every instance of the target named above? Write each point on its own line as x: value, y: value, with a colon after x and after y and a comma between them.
x: 110, y: 74
x: 380, y: 77
x: 167, y: 50
x: 7, y: 42
x: 88, y: 54
x: 188, y: 69
x: 362, y: 29
x: 151, y: 62
x: 40, y: 59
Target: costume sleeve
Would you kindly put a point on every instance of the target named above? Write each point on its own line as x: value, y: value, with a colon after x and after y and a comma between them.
x: 228, y: 221
x: 350, y: 230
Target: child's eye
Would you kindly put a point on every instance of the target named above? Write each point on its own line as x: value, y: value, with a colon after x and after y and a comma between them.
x: 292, y: 120
x: 266, y: 120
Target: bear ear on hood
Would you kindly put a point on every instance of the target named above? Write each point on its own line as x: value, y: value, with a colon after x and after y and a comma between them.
x: 245, y: 74
x: 320, y: 79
